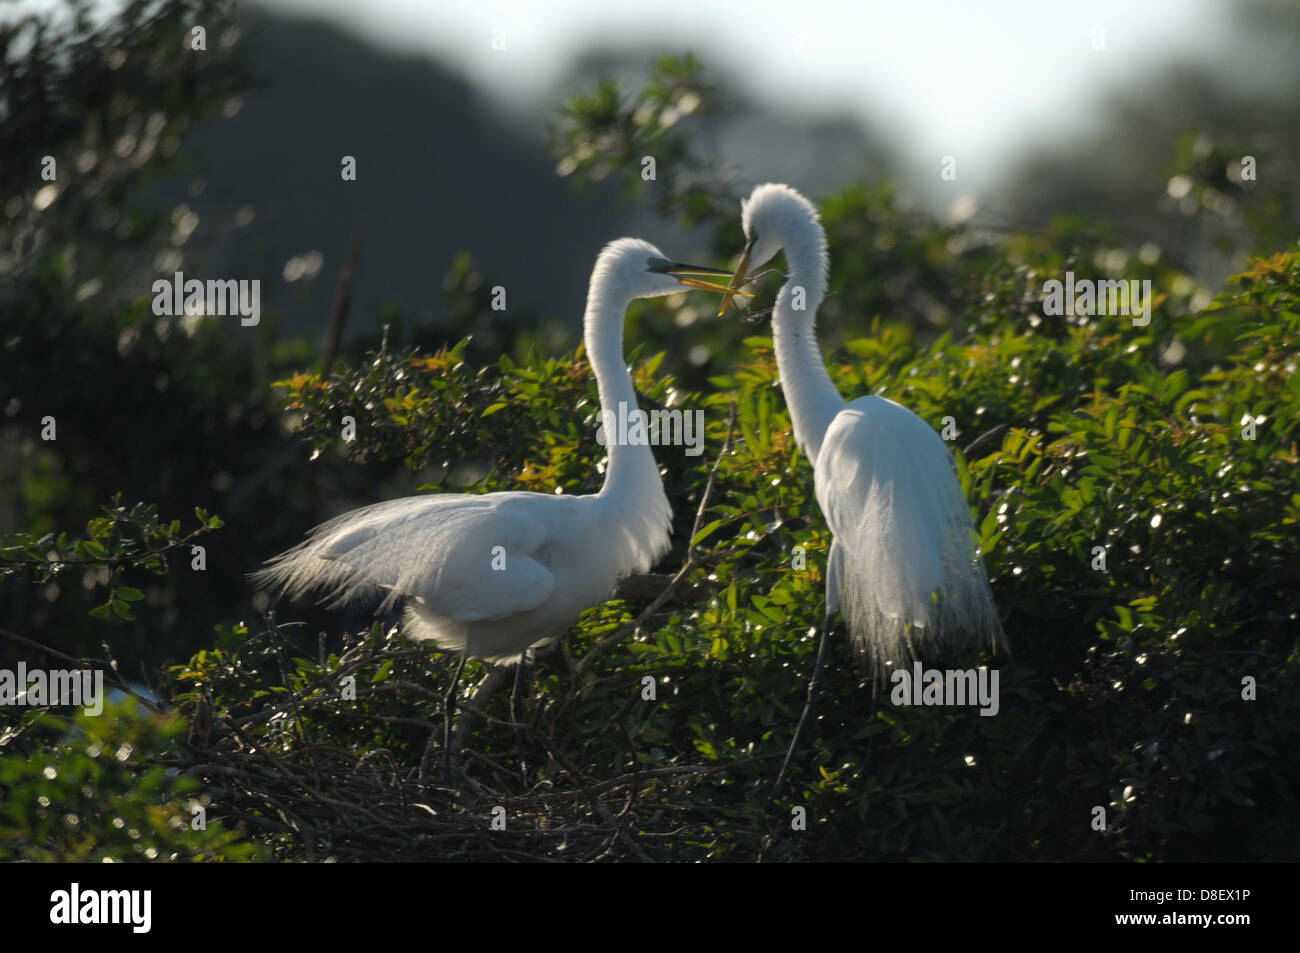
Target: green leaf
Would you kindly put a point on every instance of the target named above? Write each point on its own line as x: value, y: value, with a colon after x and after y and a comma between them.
x: 95, y: 548
x: 706, y: 531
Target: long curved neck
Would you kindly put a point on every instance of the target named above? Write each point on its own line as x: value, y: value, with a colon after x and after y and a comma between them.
x: 631, y: 470
x: 809, y: 393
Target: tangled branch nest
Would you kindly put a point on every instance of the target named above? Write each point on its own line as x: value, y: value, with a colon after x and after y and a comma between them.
x: 322, y: 800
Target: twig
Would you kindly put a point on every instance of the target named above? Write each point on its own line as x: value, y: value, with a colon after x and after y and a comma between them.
x: 599, y: 807
x: 343, y: 297
x: 983, y: 439
x: 109, y: 672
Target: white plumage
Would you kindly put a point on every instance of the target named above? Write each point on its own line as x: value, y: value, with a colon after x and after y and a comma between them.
x: 558, y: 554
x: 903, y: 533
x: 904, y: 569
x: 494, y: 575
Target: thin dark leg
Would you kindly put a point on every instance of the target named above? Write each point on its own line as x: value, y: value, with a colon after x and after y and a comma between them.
x: 814, y: 686
x: 514, y: 715
x: 449, y: 708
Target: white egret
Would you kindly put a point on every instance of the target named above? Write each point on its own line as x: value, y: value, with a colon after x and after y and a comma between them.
x: 492, y: 576
x: 904, y: 569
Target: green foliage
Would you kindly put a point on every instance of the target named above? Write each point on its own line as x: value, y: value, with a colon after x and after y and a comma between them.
x: 1169, y: 448
x: 606, y: 135
x: 527, y: 421
x: 110, y: 100
x: 1125, y: 688
x: 177, y: 411
x: 98, y: 789
x: 120, y: 539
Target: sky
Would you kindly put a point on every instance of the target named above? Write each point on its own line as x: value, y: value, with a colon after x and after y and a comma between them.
x: 979, y: 81
x: 946, y: 77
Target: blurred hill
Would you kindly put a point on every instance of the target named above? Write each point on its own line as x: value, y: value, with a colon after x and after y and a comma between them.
x: 441, y: 170
x: 438, y: 173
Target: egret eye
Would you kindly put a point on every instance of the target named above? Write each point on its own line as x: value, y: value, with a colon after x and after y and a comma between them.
x: 659, y: 265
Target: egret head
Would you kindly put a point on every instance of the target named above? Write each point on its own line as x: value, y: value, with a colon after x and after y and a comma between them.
x: 773, y: 215
x: 769, y: 216
x: 645, y: 272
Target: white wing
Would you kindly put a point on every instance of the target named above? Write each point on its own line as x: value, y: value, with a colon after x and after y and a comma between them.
x: 466, y: 558
x: 906, y: 563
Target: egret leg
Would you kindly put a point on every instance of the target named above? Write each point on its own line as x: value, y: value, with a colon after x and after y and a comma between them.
x: 814, y: 686
x: 449, y: 708
x: 514, y: 714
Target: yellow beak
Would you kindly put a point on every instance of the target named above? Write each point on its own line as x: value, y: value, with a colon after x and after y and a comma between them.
x: 737, y: 279
x: 677, y: 269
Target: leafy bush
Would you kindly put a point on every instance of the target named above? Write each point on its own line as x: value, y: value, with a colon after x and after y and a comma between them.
x: 97, y: 789
x: 1125, y: 689
x: 1134, y: 492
